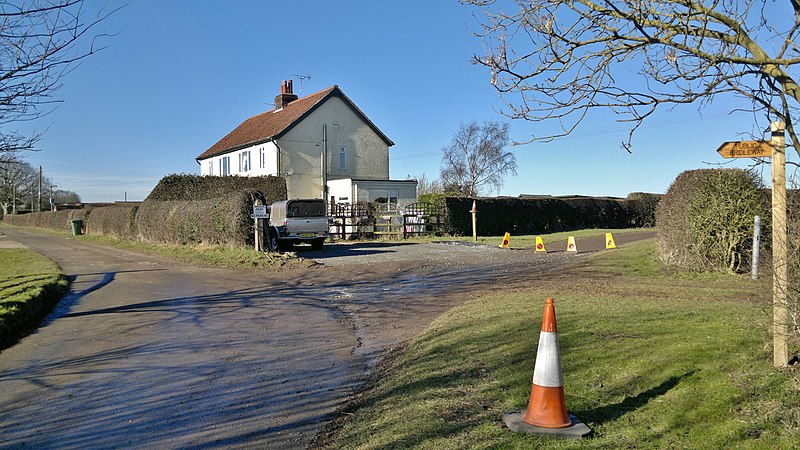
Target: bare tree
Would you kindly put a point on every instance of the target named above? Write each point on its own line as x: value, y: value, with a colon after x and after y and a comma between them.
x: 427, y: 186
x: 17, y: 178
x: 559, y: 60
x: 40, y: 41
x: 60, y: 196
x: 476, y: 157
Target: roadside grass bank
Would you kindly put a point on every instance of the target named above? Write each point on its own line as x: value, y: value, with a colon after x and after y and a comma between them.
x: 196, y: 254
x: 30, y: 285
x: 529, y: 241
x: 651, y: 359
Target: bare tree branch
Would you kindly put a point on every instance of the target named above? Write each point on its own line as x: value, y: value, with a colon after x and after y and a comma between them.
x: 555, y: 61
x: 40, y: 42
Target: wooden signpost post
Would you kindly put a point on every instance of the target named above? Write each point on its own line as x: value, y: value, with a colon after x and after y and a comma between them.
x: 776, y: 149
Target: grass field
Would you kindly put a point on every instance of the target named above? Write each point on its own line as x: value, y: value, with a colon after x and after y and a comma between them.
x: 651, y: 359
x: 30, y: 284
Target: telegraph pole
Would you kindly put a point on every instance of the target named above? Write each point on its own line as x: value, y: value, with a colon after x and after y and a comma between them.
x: 39, y: 207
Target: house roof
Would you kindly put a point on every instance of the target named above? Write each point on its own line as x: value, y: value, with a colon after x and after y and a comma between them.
x: 275, y: 123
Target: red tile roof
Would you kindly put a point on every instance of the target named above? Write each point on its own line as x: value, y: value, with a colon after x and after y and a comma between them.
x: 274, y: 123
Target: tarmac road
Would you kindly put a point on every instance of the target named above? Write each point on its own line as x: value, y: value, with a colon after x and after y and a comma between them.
x: 146, y: 352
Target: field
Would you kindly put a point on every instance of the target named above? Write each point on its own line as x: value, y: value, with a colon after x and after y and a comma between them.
x: 651, y: 358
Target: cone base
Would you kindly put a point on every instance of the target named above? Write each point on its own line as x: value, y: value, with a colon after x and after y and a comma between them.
x: 577, y: 429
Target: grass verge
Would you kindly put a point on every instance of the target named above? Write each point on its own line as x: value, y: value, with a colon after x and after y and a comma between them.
x: 200, y: 254
x: 529, y: 241
x: 649, y: 360
x: 30, y: 286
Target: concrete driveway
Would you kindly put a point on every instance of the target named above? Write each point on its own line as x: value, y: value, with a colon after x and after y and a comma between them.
x: 146, y: 352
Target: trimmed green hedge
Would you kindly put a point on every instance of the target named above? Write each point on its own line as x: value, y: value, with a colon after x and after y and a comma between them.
x: 520, y: 216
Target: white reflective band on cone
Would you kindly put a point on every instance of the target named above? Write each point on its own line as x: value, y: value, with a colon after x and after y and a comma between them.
x: 547, y: 371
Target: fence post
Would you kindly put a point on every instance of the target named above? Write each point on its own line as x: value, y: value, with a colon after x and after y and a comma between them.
x: 756, y: 257
x: 259, y: 242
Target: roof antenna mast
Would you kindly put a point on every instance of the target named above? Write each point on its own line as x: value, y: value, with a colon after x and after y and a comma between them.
x: 301, y: 78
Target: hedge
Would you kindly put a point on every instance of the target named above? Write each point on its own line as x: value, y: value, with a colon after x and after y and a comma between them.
x: 705, y: 221
x: 114, y: 221
x: 224, y: 220
x: 54, y: 220
x: 547, y: 214
x: 196, y: 187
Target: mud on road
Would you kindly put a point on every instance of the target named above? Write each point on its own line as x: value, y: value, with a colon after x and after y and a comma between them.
x: 146, y: 352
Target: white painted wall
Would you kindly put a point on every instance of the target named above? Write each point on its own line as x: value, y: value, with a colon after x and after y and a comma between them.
x: 342, y: 190
x: 269, y: 165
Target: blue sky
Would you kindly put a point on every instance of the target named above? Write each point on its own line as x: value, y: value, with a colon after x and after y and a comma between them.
x: 179, y: 75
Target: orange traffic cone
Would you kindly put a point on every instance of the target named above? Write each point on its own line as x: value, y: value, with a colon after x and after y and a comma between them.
x: 547, y: 410
x: 546, y: 407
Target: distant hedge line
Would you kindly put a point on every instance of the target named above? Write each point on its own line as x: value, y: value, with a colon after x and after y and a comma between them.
x: 182, y: 209
x: 55, y: 220
x: 548, y: 215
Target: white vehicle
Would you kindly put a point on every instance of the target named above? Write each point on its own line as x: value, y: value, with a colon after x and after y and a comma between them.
x: 297, y: 221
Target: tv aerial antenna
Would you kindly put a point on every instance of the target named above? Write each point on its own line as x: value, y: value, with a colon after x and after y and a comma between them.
x: 301, y: 78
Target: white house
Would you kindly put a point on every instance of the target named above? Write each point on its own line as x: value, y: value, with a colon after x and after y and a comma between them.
x: 322, y: 144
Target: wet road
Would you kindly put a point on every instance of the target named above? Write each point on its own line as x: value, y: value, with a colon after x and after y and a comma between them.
x: 145, y: 352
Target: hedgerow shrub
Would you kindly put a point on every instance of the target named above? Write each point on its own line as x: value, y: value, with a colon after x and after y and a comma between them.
x: 705, y: 220
x: 197, y: 187
x: 641, y: 208
x: 54, y: 220
x: 114, y: 221
x: 223, y: 220
x: 542, y: 215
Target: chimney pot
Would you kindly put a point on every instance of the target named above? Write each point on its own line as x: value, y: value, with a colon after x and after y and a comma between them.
x: 286, y: 96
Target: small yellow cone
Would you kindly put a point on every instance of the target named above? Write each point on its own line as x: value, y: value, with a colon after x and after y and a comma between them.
x: 610, y: 241
x: 506, y: 240
x: 540, y: 245
x: 571, y: 247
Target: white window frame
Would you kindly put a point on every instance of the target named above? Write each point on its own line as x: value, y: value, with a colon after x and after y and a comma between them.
x: 244, y: 161
x: 211, y: 168
x: 262, y: 158
x: 225, y: 166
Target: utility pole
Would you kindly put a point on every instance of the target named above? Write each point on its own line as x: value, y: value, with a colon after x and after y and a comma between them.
x: 39, y: 207
x: 780, y: 278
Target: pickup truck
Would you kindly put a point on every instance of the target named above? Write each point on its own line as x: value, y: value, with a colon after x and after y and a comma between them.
x: 297, y: 221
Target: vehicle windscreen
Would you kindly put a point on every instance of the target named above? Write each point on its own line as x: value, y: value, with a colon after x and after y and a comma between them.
x: 305, y: 209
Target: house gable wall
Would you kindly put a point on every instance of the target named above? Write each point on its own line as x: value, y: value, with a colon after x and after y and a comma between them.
x: 366, y: 155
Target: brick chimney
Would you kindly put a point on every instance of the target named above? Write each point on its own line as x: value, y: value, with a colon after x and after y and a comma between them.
x: 286, y: 96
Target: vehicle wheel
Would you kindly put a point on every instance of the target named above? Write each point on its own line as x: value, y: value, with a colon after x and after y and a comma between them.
x: 273, y: 240
x: 317, y: 244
